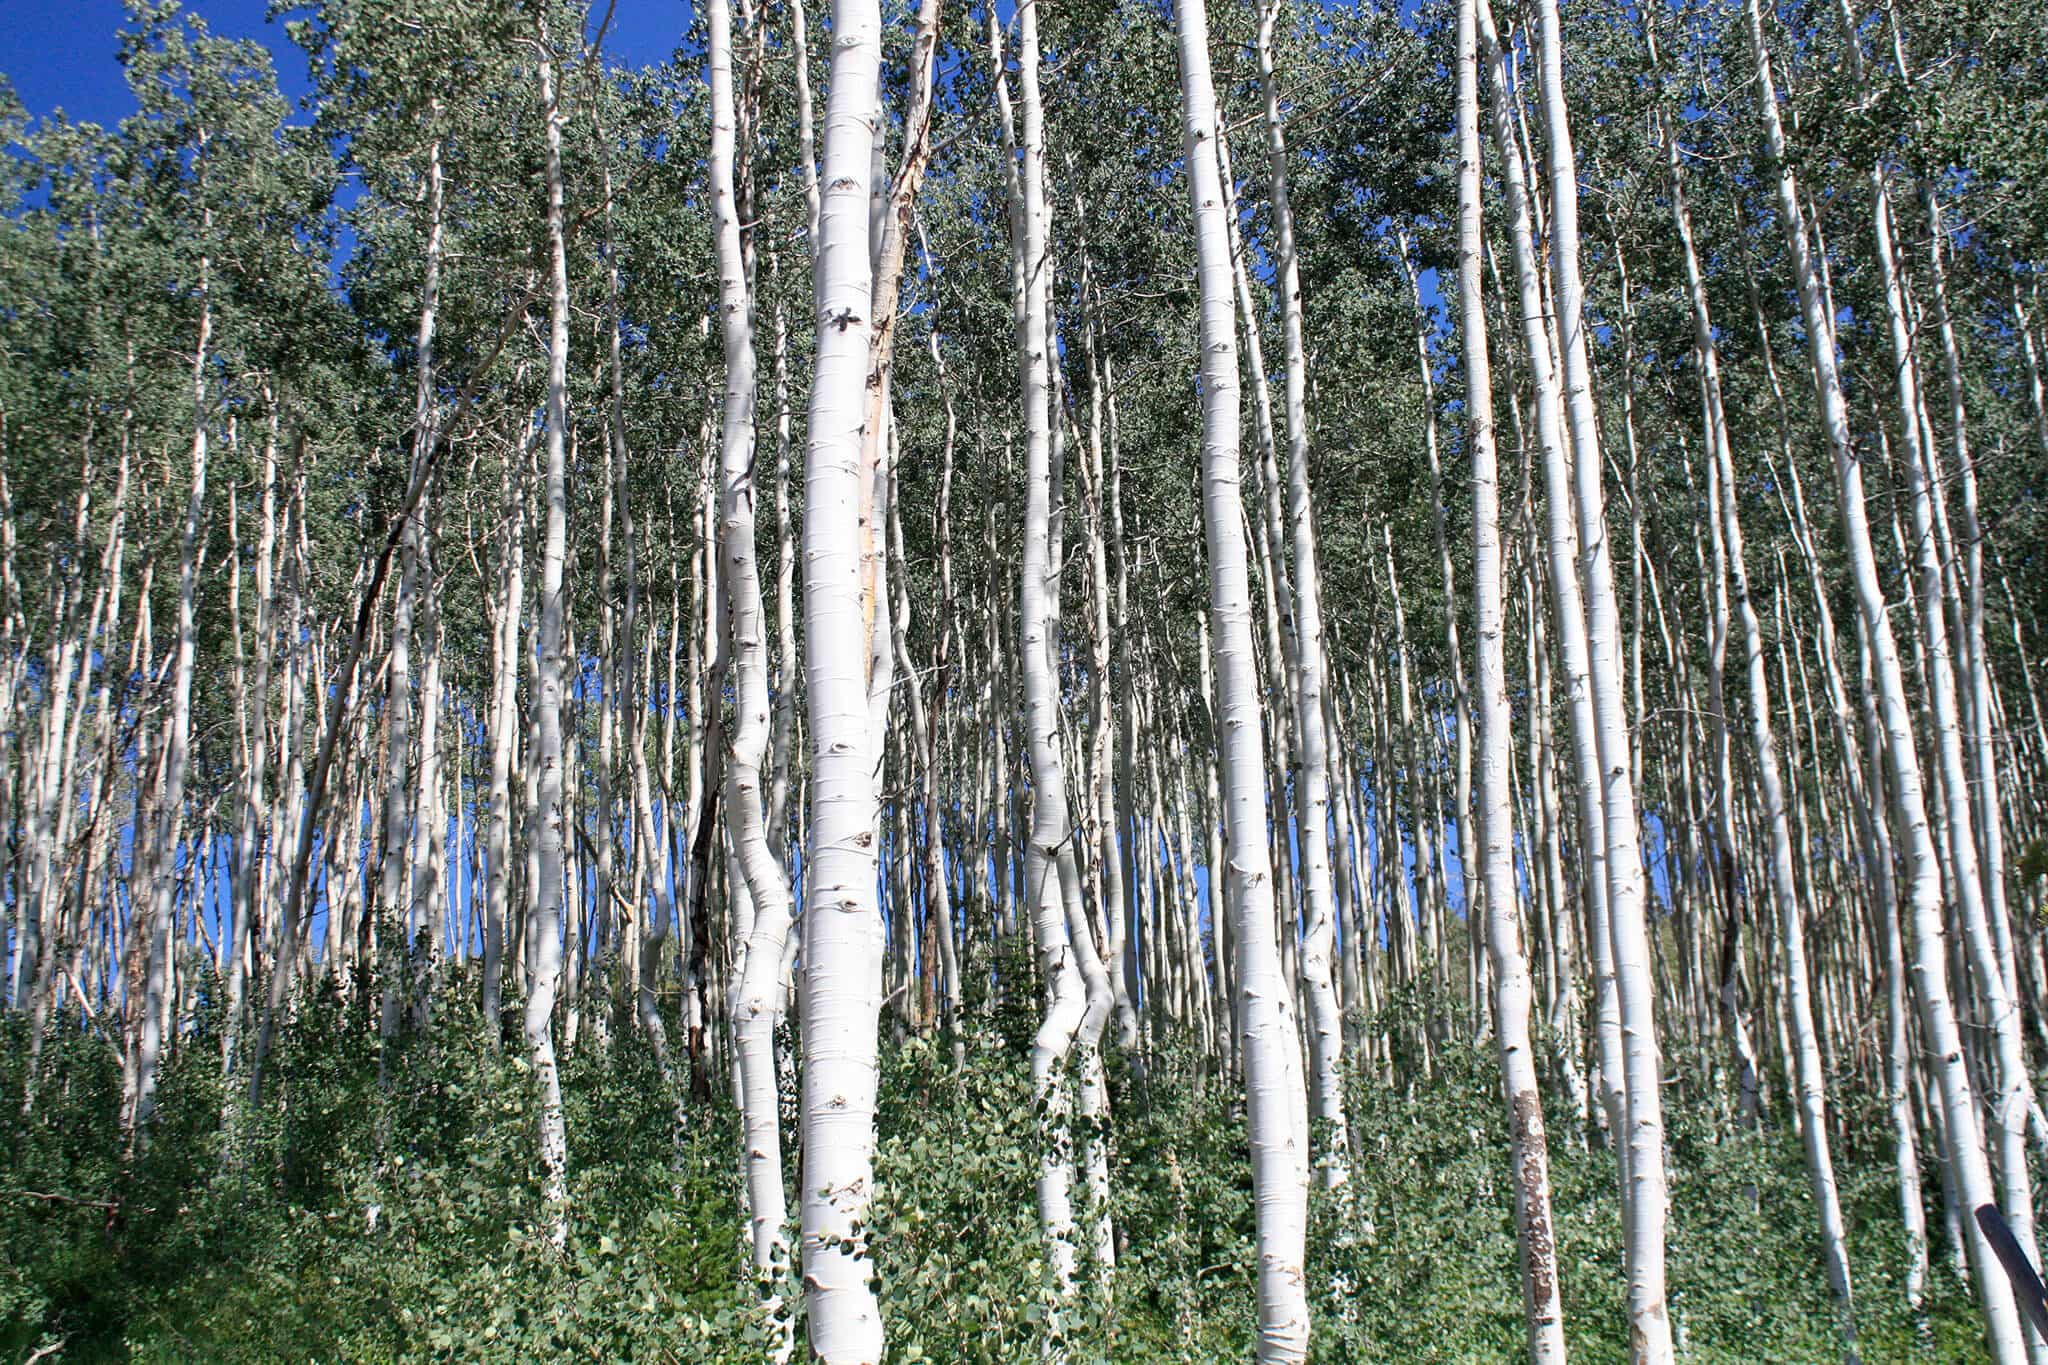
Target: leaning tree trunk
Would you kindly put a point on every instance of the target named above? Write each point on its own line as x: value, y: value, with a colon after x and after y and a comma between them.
x: 1809, y: 1078
x: 1265, y: 1003
x: 1529, y: 1150
x: 1311, y: 674
x: 2008, y: 1111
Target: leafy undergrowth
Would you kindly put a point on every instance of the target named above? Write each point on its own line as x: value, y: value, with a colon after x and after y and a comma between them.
x: 355, y: 1220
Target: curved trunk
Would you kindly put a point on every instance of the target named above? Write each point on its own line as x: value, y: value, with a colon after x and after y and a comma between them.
x: 756, y: 1003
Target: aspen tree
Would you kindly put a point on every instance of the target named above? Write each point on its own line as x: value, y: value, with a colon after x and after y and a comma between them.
x: 843, y: 936
x: 2007, y: 1112
x: 1963, y: 1141
x: 1529, y: 1153
x: 1047, y: 879
x: 1644, y: 1210
x: 170, y: 811
x: 1264, y: 998
x: 1312, y: 805
x: 1809, y: 1077
x: 1567, y: 609
x: 545, y: 898
x: 756, y: 998
x: 394, y: 901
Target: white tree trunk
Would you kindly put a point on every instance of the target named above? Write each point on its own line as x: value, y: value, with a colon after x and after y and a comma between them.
x: 1567, y: 609
x: 756, y: 1003
x: 543, y: 929
x: 1644, y: 1208
x: 1265, y: 1003
x: 843, y: 935
x: 1038, y: 644
x: 1941, y: 1031
x: 170, y: 808
x: 1311, y: 677
x: 1809, y: 1077
x: 1529, y: 1151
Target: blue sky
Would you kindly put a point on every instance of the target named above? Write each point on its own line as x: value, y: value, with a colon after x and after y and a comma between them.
x: 62, y: 53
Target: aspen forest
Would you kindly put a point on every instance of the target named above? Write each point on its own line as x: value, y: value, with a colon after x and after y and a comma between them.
x: 1088, y: 681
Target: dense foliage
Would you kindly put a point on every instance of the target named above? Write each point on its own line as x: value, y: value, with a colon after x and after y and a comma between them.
x: 373, y: 485
x: 395, y: 1221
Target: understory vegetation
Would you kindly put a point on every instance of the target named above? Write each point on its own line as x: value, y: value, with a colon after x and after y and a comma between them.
x: 366, y: 1221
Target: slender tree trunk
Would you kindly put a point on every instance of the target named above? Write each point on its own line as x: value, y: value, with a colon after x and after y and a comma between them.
x: 1045, y: 880
x: 843, y: 940
x: 1939, y: 1026
x: 756, y: 1001
x: 544, y: 924
x: 1312, y: 801
x: 1567, y: 609
x: 170, y: 809
x: 1644, y: 1209
x: 1809, y: 1077
x: 1529, y: 1151
x: 1271, y: 1040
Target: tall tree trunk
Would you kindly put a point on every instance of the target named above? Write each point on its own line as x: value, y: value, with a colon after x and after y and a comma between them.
x: 1311, y: 677
x: 1045, y: 880
x: 544, y: 924
x: 1941, y: 1032
x: 395, y: 905
x: 843, y: 936
x: 1809, y: 1078
x: 756, y: 1001
x: 1567, y: 609
x: 170, y: 809
x: 1644, y: 1209
x: 1265, y: 999
x: 1529, y: 1150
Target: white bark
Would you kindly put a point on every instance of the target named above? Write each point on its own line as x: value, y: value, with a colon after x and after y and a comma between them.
x: 1529, y: 1153
x: 248, y: 883
x: 1941, y: 1031
x: 1644, y: 1208
x: 1561, y: 549
x: 1809, y: 1078
x: 395, y: 904
x: 843, y: 935
x: 757, y: 1000
x: 1311, y: 676
x: 2010, y: 1079
x: 1265, y: 1013
x: 170, y: 808
x: 1038, y: 644
x: 543, y: 928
